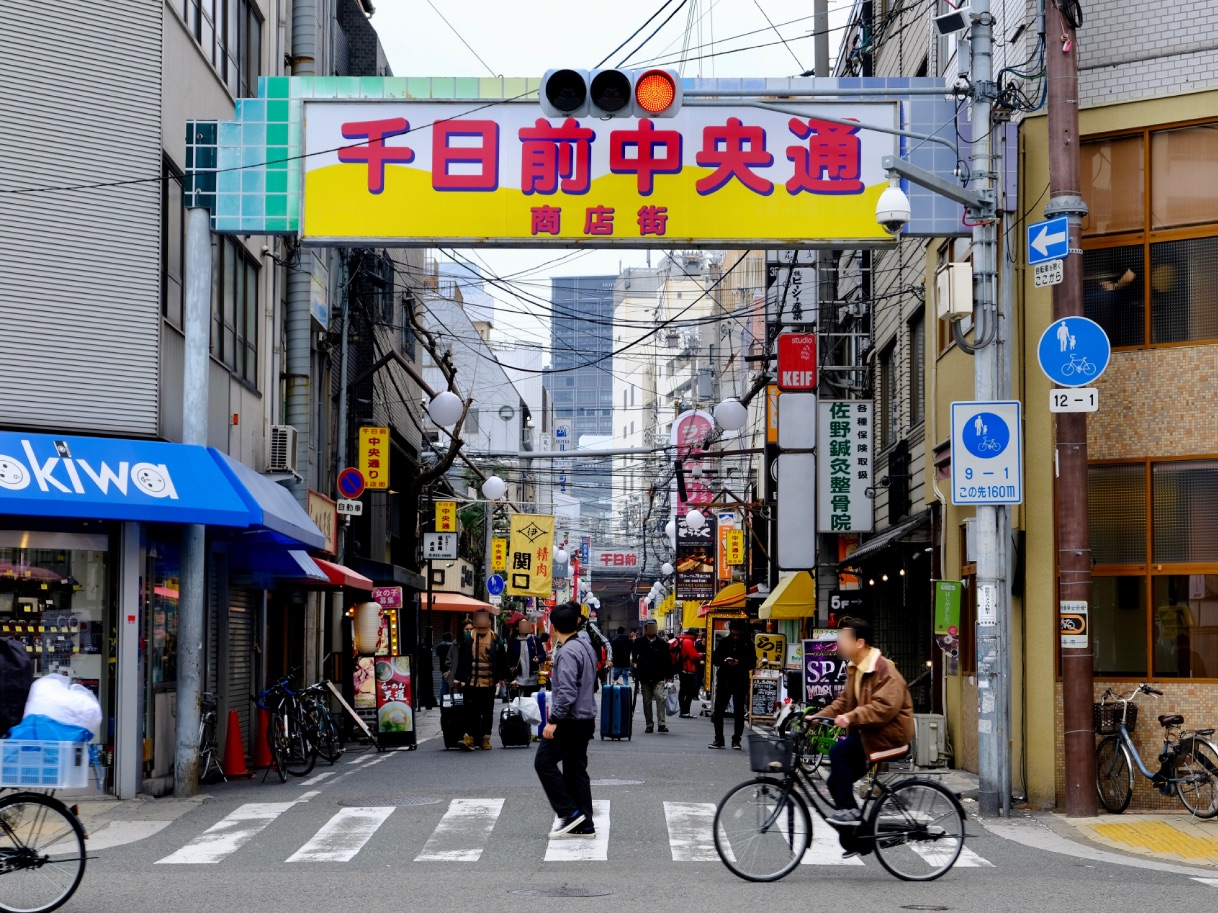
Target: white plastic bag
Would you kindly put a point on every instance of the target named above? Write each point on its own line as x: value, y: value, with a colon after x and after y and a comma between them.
x: 54, y: 696
x: 528, y: 708
x: 672, y: 703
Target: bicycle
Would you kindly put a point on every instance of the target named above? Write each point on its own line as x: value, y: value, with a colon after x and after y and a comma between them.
x: 816, y: 737
x: 209, y: 748
x: 42, y: 852
x: 287, y: 732
x: 325, y: 735
x: 1188, y: 764
x: 1079, y: 364
x: 763, y: 828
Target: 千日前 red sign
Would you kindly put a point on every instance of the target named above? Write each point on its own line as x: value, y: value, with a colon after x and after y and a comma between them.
x: 797, y: 361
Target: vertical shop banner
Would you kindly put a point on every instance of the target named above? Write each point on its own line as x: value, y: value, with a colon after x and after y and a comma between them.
x: 824, y: 669
x: 844, y: 470
x: 733, y: 546
x: 446, y: 516
x: 727, y: 526
x: 696, y: 560
x: 323, y: 512
x: 374, y: 457
x: 499, y: 550
x: 530, y: 563
x: 948, y: 595
x: 394, y: 713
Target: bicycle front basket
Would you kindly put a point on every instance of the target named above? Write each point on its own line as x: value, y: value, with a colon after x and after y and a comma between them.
x: 769, y: 755
x: 1107, y: 717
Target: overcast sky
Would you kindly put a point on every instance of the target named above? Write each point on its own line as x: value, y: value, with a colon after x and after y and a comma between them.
x: 704, y: 38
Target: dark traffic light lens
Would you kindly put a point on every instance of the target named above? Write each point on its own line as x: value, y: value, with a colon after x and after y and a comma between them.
x: 565, y: 90
x: 611, y: 90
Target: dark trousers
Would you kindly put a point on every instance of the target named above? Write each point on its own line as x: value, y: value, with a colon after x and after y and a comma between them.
x: 847, y: 764
x: 689, y: 691
x: 479, y: 712
x: 569, y: 790
x: 738, y: 693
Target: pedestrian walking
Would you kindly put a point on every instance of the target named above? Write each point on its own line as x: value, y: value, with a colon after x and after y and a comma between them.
x: 688, y: 662
x: 572, y: 721
x: 481, y: 666
x: 734, y: 657
x: 621, y: 650
x: 653, y: 667
x: 525, y: 656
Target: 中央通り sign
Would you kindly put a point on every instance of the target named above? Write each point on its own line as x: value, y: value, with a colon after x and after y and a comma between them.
x: 436, y: 173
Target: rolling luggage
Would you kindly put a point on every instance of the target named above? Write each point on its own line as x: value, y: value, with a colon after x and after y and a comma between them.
x: 542, y: 697
x: 452, y: 720
x: 514, y: 732
x: 617, y: 712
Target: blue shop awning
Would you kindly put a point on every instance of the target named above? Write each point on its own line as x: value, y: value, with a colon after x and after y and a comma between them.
x: 264, y: 566
x: 43, y: 475
x: 275, y: 513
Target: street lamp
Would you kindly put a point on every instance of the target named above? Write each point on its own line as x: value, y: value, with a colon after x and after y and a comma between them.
x: 670, y: 529
x: 445, y: 408
x: 694, y: 520
x: 494, y: 488
x: 731, y: 415
x: 560, y: 556
x: 666, y: 569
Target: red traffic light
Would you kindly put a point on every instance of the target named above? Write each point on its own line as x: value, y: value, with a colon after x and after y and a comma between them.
x: 654, y: 92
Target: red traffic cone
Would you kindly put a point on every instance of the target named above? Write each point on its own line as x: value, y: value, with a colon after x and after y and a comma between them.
x: 234, y: 749
x: 262, y: 751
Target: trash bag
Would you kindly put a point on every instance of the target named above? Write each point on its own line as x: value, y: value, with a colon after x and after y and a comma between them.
x: 528, y: 708
x: 38, y: 728
x: 56, y: 698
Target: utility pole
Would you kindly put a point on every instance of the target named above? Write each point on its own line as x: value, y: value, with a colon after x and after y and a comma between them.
x: 1073, y: 527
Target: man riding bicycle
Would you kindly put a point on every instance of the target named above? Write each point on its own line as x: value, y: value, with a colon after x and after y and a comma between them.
x: 875, y: 708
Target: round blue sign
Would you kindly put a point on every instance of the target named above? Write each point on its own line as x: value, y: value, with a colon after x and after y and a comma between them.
x: 986, y: 435
x: 494, y: 585
x: 350, y: 482
x: 1074, y: 351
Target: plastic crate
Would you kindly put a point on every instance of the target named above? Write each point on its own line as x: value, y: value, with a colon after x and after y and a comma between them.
x: 770, y: 755
x: 1107, y: 717
x: 44, y: 765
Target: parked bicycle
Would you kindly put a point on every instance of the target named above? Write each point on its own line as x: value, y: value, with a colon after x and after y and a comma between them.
x: 288, y: 730
x: 209, y: 748
x: 1188, y: 764
x: 323, y: 727
x: 763, y: 827
x: 42, y: 852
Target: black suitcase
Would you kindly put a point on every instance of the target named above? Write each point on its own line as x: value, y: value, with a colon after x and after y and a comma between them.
x: 514, y: 732
x: 452, y: 720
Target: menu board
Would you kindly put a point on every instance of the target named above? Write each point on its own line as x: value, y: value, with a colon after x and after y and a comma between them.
x: 765, y: 695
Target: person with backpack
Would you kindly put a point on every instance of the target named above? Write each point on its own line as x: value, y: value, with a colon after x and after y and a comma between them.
x: 481, y: 666
x: 687, y: 661
x: 525, y: 654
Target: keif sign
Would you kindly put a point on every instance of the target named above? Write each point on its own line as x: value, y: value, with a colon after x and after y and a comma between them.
x: 796, y: 361
x: 399, y: 172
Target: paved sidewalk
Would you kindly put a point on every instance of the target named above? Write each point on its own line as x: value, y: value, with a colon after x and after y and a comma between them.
x: 1169, y: 837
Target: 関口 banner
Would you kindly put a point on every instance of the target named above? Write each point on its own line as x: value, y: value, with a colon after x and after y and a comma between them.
x: 436, y: 173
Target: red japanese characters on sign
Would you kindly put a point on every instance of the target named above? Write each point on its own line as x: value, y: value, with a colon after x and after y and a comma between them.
x: 797, y: 361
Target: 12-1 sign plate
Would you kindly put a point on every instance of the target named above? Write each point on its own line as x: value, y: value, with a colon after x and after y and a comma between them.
x: 1076, y: 399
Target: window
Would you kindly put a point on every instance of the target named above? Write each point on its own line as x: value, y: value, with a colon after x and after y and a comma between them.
x: 230, y: 34
x: 917, y: 369
x: 173, y: 243
x: 1150, y: 272
x: 890, y: 409
x: 1155, y: 618
x: 234, y: 309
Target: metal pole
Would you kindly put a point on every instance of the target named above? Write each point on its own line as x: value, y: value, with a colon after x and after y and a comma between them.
x: 820, y: 44
x: 340, y: 547
x: 194, y: 536
x: 1073, y: 528
x: 993, y: 737
x: 488, y: 536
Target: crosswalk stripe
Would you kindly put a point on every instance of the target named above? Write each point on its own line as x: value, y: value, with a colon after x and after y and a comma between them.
x: 228, y: 835
x: 825, y: 848
x: 967, y: 859
x: 1212, y: 882
x: 583, y: 849
x: 318, y: 778
x: 691, y: 831
x: 344, y: 835
x: 463, y: 832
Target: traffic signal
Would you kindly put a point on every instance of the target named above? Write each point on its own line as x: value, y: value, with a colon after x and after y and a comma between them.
x: 611, y: 93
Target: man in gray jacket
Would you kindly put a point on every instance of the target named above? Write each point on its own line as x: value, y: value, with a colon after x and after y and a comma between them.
x: 572, y: 721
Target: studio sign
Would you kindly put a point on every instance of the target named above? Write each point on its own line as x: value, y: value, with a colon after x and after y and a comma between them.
x: 66, y: 475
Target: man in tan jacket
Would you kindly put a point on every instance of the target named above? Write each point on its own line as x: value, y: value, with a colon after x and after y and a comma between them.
x: 877, y: 711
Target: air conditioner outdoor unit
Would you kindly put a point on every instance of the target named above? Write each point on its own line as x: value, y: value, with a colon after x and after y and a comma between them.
x: 283, y: 449
x: 930, y: 740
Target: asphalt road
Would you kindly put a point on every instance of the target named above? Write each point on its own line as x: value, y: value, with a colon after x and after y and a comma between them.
x: 404, y: 831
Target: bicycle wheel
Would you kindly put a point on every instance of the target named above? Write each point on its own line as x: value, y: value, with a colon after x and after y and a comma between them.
x: 209, y: 763
x: 329, y: 743
x: 301, y: 753
x: 1197, y: 767
x: 277, y: 741
x: 918, y: 828
x: 1113, y: 775
x: 42, y: 853
x: 762, y: 830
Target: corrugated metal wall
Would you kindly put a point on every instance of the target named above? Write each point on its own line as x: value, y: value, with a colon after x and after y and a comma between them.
x: 80, y: 268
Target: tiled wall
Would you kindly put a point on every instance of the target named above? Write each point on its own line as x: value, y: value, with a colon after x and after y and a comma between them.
x: 1151, y: 401
x: 1197, y: 703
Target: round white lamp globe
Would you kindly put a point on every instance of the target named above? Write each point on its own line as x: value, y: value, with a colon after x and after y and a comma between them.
x: 731, y: 415
x: 494, y: 488
x: 666, y: 569
x: 445, y: 408
x: 694, y: 520
x: 560, y: 556
x: 670, y: 529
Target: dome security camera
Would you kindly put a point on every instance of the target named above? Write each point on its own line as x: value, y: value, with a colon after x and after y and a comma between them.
x: 892, y: 210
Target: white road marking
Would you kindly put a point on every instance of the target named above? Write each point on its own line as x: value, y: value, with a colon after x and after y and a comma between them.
x: 343, y: 836
x: 318, y: 778
x: 583, y: 849
x: 311, y: 794
x: 229, y: 835
x: 463, y: 832
x: 690, y: 831
x: 825, y: 848
x: 967, y: 860
x: 1212, y: 882
x: 377, y: 761
x: 120, y: 833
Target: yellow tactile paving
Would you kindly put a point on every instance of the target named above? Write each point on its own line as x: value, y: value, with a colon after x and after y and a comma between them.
x: 1159, y: 837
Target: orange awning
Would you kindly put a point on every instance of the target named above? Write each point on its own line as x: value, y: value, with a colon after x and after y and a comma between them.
x: 455, y: 602
x: 338, y: 575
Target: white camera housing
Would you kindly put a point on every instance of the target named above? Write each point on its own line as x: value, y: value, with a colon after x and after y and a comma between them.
x: 892, y: 210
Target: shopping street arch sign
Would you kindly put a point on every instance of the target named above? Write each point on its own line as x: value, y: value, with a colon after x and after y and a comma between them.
x: 423, y: 162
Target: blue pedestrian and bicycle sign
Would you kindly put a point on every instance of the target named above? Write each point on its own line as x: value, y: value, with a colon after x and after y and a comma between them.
x: 1048, y: 240
x: 494, y: 585
x: 987, y: 453
x: 1074, y: 351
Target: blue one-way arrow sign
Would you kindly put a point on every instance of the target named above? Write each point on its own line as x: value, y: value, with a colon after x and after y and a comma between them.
x: 1048, y: 240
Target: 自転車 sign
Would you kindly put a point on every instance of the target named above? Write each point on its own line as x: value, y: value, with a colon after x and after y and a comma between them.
x: 401, y: 171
